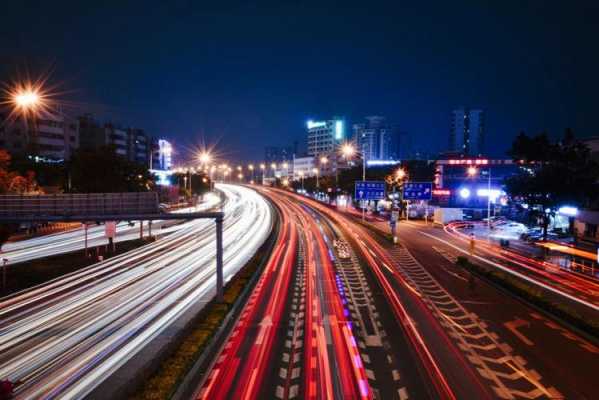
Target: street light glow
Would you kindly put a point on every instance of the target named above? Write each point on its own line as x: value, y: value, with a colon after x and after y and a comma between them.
x: 324, y: 160
x: 27, y: 98
x: 472, y: 171
x: 348, y: 150
x: 205, y: 157
x: 400, y: 173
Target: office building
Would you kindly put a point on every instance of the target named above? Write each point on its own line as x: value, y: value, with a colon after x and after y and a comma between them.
x: 467, y: 131
x: 303, y: 166
x: 324, y: 137
x: 131, y: 143
x: 50, y: 137
x: 161, y: 155
x: 377, y: 140
x: 138, y: 146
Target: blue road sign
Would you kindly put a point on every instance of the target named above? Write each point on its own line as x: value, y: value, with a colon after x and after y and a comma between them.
x: 370, y: 190
x: 418, y: 191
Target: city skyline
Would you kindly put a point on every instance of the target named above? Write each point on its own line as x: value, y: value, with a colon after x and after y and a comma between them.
x: 216, y: 79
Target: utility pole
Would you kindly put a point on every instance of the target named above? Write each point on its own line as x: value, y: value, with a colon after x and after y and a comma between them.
x: 489, y: 201
x: 219, y: 260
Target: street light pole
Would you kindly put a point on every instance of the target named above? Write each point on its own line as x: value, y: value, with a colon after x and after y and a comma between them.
x: 489, y: 201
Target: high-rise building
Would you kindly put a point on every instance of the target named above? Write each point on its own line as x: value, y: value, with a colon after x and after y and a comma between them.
x: 377, y: 140
x: 467, y: 132
x: 131, y: 143
x: 53, y: 137
x: 162, y: 155
x: 138, y: 146
x: 324, y: 137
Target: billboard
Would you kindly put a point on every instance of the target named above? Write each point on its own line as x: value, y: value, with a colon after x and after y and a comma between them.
x: 370, y: 190
x: 418, y: 190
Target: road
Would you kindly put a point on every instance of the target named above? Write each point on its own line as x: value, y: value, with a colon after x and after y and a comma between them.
x: 313, y: 328
x: 570, y: 285
x: 519, y: 351
x: 62, y: 339
x: 73, y: 240
x: 463, y: 338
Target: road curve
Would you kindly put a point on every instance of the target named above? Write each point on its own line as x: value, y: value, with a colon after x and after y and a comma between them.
x: 63, y: 338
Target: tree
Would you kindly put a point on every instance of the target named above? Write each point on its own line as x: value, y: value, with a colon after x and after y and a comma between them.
x: 102, y: 170
x: 11, y: 181
x: 553, y: 174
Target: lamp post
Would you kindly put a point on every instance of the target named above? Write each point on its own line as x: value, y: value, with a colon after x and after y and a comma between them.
x: 400, y: 177
x: 301, y: 174
x: 315, y: 170
x: 472, y: 171
x: 251, y: 168
x: 262, y: 167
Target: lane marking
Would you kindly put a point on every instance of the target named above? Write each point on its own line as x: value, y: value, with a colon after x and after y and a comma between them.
x: 513, y: 327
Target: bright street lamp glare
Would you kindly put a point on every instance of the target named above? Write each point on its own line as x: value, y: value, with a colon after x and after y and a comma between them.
x: 472, y: 171
x: 348, y: 150
x: 324, y: 160
x: 401, y: 173
x: 205, y: 158
x: 26, y: 99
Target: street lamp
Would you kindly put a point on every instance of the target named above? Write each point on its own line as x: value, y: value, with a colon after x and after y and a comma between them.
x: 262, y: 167
x: 400, y: 173
x: 285, y: 166
x: 348, y: 150
x: 28, y: 99
x: 315, y: 170
x: 472, y: 171
x: 251, y: 168
x: 204, y: 158
x: 301, y: 174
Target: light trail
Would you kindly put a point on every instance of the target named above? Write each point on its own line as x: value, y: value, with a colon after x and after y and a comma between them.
x: 64, y: 338
x: 582, y: 290
x: 332, y: 367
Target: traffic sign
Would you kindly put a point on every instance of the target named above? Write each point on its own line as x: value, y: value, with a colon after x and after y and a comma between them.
x: 418, y: 191
x: 110, y: 229
x: 370, y: 190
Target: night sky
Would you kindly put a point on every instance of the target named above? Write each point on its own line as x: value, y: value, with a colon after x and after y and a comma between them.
x: 251, y: 75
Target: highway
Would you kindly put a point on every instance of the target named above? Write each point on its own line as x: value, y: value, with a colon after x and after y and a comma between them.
x: 582, y: 288
x: 73, y: 240
x: 312, y: 327
x: 64, y: 338
x: 453, y: 336
x: 516, y: 350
